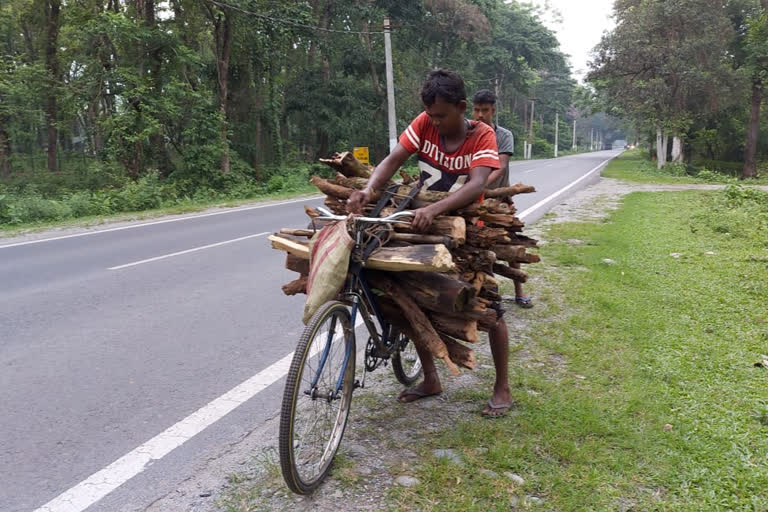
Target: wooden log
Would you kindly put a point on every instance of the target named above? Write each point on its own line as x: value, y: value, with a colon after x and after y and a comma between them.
x: 457, y: 326
x: 337, y: 206
x: 311, y: 212
x: 331, y: 189
x: 424, y: 333
x: 297, y: 286
x: 487, y: 206
x: 510, y: 191
x: 500, y: 219
x: 529, y: 258
x: 309, y: 233
x: 459, y: 353
x: 418, y: 258
x: 436, y: 292
x: 416, y: 238
x: 510, y: 272
x: 473, y: 258
x: 486, y: 237
x: 354, y: 183
x: 509, y: 252
x: 454, y: 227
x: 518, y: 239
x: 297, y: 264
x: 485, y: 316
x: 348, y: 165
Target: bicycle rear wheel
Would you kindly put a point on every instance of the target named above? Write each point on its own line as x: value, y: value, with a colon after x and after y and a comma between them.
x: 405, y: 361
x: 314, y: 415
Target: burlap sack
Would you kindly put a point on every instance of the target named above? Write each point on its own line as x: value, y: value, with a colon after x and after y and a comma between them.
x: 329, y: 253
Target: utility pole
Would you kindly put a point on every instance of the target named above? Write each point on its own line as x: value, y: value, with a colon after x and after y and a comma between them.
x: 557, y: 128
x: 530, y: 130
x: 390, y: 85
x: 496, y: 92
x: 574, y: 136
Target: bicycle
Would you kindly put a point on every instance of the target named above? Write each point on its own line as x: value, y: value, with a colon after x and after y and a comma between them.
x: 315, y: 390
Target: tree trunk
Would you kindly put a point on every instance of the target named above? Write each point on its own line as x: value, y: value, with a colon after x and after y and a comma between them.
x: 677, y: 149
x: 52, y: 9
x: 661, y: 152
x: 5, y: 153
x: 753, y: 130
x: 222, y: 31
x: 650, y: 146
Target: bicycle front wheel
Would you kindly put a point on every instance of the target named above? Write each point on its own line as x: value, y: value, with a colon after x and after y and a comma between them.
x: 317, y: 397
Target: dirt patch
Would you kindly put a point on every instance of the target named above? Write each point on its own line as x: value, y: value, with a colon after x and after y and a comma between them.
x: 383, y: 441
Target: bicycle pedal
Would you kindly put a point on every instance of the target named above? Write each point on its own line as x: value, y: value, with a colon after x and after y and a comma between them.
x: 358, y: 384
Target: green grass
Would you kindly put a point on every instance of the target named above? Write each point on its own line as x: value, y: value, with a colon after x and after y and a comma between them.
x: 190, y: 206
x: 628, y: 348
x: 634, y: 166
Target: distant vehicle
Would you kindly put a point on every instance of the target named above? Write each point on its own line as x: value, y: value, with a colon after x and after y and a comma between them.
x: 619, y: 144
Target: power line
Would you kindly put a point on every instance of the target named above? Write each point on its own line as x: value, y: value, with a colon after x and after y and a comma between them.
x: 290, y: 23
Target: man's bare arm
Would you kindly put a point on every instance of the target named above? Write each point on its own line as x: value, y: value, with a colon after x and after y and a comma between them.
x: 381, y: 175
x: 503, y: 165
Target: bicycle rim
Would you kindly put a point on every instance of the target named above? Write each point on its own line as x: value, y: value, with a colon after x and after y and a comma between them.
x: 312, y: 424
x: 406, y: 364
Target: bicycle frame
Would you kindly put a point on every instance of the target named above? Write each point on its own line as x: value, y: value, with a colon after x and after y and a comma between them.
x: 358, y: 292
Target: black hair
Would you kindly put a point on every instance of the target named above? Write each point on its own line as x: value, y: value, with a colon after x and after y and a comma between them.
x: 445, y: 84
x: 484, y: 97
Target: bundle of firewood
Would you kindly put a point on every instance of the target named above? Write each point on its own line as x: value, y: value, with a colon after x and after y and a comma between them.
x: 437, y: 286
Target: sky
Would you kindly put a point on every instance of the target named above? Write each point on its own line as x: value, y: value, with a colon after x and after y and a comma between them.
x: 579, y: 28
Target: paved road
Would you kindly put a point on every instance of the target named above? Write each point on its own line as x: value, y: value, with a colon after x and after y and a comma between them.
x: 97, y: 360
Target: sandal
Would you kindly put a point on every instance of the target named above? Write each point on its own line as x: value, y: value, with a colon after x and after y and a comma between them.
x: 413, y: 392
x: 523, y: 302
x: 502, y: 408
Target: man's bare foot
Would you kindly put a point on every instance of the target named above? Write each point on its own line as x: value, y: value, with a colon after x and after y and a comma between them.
x: 499, y: 404
x: 423, y: 390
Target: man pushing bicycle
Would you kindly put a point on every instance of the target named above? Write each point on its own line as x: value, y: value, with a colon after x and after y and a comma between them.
x: 455, y: 155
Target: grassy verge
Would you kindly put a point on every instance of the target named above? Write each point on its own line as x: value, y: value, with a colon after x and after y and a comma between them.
x: 633, y: 166
x: 190, y: 206
x: 638, y: 389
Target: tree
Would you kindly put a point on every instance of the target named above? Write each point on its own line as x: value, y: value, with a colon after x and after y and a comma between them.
x: 658, y: 66
x: 756, y: 46
x: 52, y: 9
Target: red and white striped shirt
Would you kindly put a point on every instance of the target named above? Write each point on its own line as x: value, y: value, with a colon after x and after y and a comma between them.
x: 448, y: 172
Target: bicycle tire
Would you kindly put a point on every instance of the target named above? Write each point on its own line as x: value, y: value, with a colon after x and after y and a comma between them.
x: 405, y: 377
x: 292, y: 392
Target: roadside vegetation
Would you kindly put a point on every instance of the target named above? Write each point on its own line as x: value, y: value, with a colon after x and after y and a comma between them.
x: 643, y: 386
x: 635, y: 165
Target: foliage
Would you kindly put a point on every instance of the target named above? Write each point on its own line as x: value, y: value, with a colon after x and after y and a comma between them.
x: 139, y: 104
x: 658, y: 70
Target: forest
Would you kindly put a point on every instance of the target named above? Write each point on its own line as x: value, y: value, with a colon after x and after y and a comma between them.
x: 113, y: 106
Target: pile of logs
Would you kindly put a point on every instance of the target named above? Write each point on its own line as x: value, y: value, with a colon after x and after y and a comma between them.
x: 438, y: 286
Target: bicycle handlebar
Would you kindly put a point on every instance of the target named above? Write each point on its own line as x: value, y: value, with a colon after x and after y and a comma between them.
x: 395, y: 217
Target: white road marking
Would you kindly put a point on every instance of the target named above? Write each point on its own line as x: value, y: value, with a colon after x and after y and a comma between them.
x: 103, y: 482
x: 164, y: 256
x: 547, y: 199
x: 145, y: 224
x: 530, y: 170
